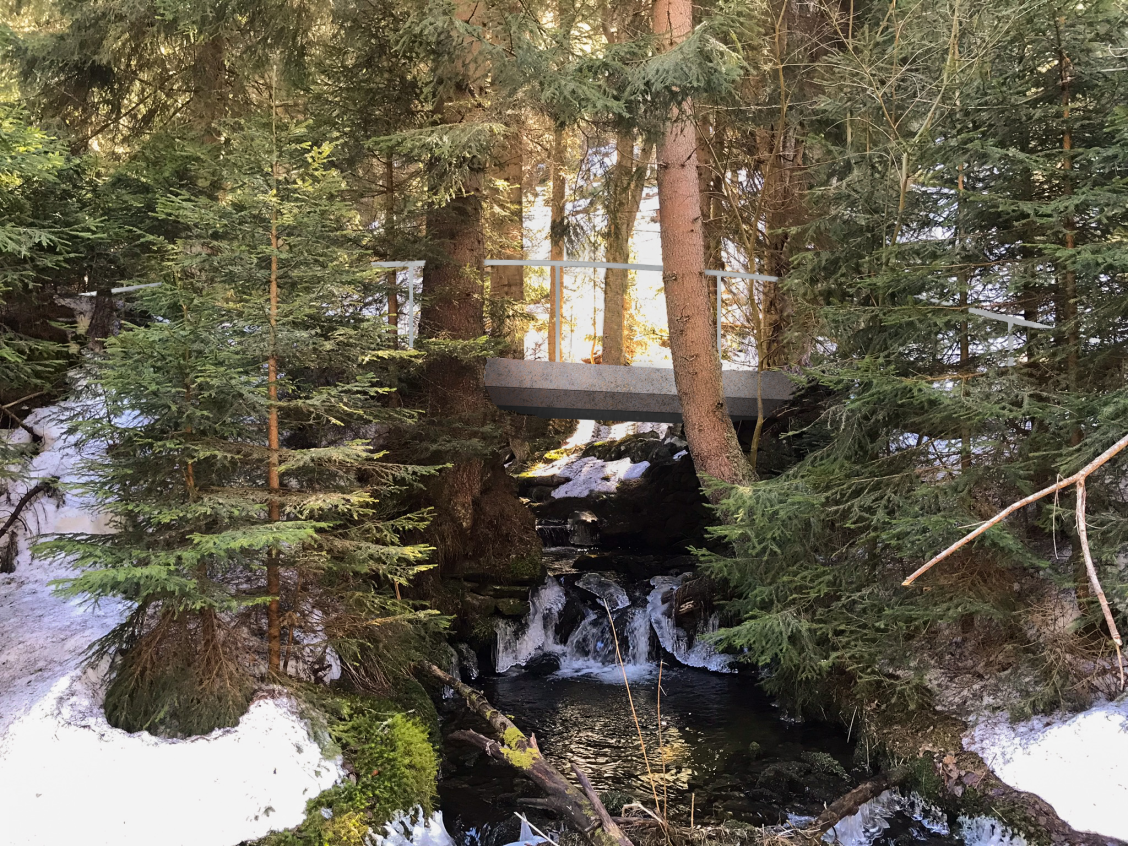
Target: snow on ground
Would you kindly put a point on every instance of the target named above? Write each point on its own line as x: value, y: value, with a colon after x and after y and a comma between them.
x: 587, y: 476
x: 1078, y: 763
x: 66, y: 775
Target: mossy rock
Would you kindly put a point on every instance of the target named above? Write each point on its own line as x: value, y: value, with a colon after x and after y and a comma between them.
x: 475, y: 606
x: 509, y: 607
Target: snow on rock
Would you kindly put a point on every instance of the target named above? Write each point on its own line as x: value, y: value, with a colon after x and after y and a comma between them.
x: 587, y: 476
x: 414, y: 828
x: 66, y: 775
x: 1077, y: 763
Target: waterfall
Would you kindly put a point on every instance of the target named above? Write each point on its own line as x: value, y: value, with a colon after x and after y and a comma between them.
x: 590, y: 648
x: 518, y: 642
x: 675, y: 640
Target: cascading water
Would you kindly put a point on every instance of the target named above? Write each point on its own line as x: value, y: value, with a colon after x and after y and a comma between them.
x: 518, y: 642
x: 674, y: 639
x: 589, y: 648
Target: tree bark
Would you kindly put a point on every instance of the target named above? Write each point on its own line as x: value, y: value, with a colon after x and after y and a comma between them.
x: 477, y: 515
x: 582, y: 808
x: 209, y: 77
x: 697, y: 365
x: 508, y: 283
x: 556, y: 237
x: 389, y: 225
x: 626, y: 182
x: 273, y: 579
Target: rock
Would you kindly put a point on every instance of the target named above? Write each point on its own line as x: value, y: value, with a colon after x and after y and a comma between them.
x: 510, y: 607
x: 506, y: 591
x: 663, y: 510
x: 467, y: 662
x: 527, y: 484
x: 542, y: 664
x: 583, y: 528
x: 475, y: 605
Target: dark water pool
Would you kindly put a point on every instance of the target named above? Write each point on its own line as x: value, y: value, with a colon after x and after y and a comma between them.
x: 726, y: 752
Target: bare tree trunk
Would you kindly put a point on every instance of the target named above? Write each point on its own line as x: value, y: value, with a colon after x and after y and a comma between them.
x: 209, y: 77
x: 389, y: 225
x: 273, y: 580
x: 697, y: 365
x: 508, y: 283
x: 556, y: 236
x: 627, y: 180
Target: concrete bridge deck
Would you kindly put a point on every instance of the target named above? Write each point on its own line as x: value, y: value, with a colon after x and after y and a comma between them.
x: 610, y: 392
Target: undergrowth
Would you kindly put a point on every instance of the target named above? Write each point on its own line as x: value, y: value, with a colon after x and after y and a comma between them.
x: 392, y: 766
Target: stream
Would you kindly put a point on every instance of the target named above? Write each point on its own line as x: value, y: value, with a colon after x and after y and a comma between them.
x: 723, y: 750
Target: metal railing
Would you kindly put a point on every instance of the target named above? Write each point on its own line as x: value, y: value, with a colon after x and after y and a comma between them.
x: 556, y: 328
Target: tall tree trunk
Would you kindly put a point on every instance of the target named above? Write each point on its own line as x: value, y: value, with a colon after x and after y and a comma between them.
x: 697, y: 365
x: 389, y: 226
x: 209, y: 78
x: 508, y: 283
x: 626, y: 182
x: 273, y: 579
x: 1067, y: 294
x: 477, y: 515
x: 556, y: 238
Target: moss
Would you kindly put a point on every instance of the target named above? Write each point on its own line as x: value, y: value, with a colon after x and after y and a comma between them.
x: 394, y: 765
x: 520, y: 758
x: 824, y: 763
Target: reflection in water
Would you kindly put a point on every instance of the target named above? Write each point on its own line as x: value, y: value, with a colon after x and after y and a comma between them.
x: 725, y: 747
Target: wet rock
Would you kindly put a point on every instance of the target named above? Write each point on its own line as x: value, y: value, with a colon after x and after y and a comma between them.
x: 570, y: 616
x: 505, y: 591
x: 467, y: 662
x: 510, y: 607
x: 583, y: 528
x: 638, y: 567
x: 542, y: 664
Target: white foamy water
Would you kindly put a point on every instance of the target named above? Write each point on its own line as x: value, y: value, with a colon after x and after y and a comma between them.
x: 675, y: 640
x: 517, y: 642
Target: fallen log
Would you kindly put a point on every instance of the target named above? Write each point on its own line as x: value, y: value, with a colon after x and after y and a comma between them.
x: 580, y: 806
x: 851, y: 802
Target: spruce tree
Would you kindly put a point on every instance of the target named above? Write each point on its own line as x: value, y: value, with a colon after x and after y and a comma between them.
x: 256, y: 519
x: 979, y: 170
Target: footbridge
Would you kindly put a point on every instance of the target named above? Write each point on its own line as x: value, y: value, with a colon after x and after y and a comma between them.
x: 571, y: 389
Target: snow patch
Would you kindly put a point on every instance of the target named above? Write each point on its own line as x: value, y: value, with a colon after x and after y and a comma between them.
x: 1077, y: 763
x: 587, y: 476
x: 66, y: 775
x: 95, y: 784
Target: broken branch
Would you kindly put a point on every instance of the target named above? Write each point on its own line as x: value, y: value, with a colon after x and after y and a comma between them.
x: 1081, y: 474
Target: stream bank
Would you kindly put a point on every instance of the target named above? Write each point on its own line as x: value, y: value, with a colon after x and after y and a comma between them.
x: 551, y: 664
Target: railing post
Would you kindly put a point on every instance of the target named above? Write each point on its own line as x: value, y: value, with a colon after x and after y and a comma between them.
x: 411, y: 308
x: 559, y: 311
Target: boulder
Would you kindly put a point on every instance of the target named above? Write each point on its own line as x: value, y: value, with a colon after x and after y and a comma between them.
x: 542, y: 664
